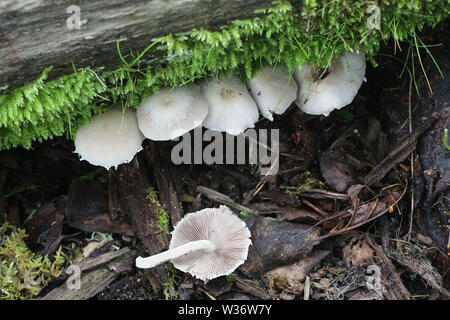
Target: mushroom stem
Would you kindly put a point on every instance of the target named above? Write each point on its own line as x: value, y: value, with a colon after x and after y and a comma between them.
x: 157, y: 259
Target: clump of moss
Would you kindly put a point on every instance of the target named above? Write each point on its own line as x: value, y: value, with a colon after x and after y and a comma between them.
x: 315, y: 33
x: 162, y: 215
x: 23, y: 274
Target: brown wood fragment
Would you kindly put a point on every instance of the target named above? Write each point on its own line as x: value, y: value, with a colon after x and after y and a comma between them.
x: 281, y: 198
x: 419, y: 265
x: 253, y: 287
x: 91, y: 282
x: 276, y: 243
x: 395, y: 290
x: 221, y: 198
x: 167, y: 193
x: 400, y: 153
x: 87, y: 209
x: 318, y: 193
x: 45, y: 226
x: 132, y: 185
x: 91, y: 263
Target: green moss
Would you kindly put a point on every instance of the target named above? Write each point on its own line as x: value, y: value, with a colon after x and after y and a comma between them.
x: 170, y: 292
x: 22, y: 273
x: 317, y: 33
x: 162, y: 215
x: 307, y: 182
x: 446, y: 139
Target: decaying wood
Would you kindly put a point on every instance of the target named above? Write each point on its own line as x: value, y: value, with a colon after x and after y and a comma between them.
x: 167, y: 193
x: 253, y: 287
x: 400, y: 153
x: 395, y: 290
x: 87, y: 209
x: 419, y: 265
x: 132, y: 187
x: 318, y: 193
x: 46, y: 225
x: 92, y: 282
x: 280, y: 198
x: 91, y: 263
x: 275, y: 243
x: 35, y: 34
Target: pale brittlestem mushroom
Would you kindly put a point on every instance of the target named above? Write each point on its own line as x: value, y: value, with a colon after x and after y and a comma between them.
x: 231, y: 107
x: 110, y: 139
x: 172, y: 112
x: 322, y: 91
x: 273, y: 89
x: 208, y: 244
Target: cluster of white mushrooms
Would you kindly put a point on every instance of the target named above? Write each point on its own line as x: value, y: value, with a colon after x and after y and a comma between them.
x: 224, y: 104
x: 213, y: 242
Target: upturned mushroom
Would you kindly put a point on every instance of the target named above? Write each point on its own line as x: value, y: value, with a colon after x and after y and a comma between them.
x: 322, y: 91
x: 110, y: 139
x: 208, y: 244
x: 231, y: 107
x: 273, y: 89
x: 171, y: 113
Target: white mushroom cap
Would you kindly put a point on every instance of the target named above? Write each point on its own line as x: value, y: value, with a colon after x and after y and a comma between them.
x: 335, y: 90
x: 231, y: 107
x: 273, y: 89
x: 171, y: 113
x: 208, y: 244
x: 110, y: 139
x: 222, y: 227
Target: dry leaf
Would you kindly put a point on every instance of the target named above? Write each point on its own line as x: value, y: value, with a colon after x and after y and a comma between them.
x: 357, y: 252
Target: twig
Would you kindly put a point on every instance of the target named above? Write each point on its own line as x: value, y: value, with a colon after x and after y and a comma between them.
x: 400, y: 153
x: 322, y: 213
x: 408, y: 236
x: 318, y: 193
x: 259, y: 185
x: 221, y: 198
x: 307, y: 288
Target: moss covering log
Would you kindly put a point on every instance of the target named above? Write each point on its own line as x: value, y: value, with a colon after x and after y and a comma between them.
x: 314, y: 33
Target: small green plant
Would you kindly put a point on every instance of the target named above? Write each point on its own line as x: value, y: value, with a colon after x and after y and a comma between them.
x: 446, y: 139
x: 307, y: 182
x: 23, y: 274
x: 170, y: 292
x: 93, y: 174
x: 163, y: 216
x: 22, y: 188
x: 230, y: 277
x: 245, y: 213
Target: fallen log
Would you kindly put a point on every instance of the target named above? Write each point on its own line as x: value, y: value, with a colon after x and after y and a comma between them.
x: 44, y: 33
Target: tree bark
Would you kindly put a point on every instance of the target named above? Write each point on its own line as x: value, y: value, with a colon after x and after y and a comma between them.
x: 35, y: 34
